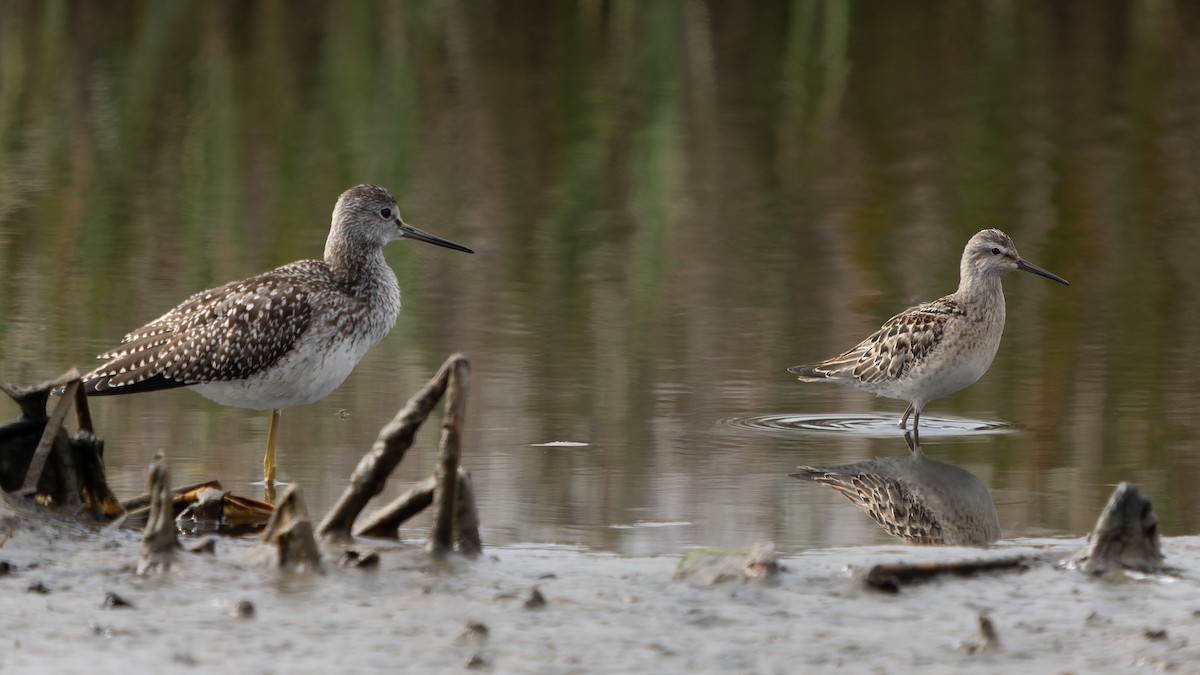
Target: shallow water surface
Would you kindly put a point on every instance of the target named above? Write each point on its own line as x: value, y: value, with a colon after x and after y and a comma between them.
x: 671, y: 203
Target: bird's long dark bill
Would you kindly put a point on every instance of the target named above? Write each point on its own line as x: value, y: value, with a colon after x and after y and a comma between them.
x: 1023, y: 264
x: 411, y: 232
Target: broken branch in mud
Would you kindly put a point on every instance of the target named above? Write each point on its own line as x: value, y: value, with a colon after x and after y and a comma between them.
x: 889, y: 577
x: 40, y: 461
x: 441, y: 536
x: 448, y: 491
x: 376, y: 466
x: 388, y: 520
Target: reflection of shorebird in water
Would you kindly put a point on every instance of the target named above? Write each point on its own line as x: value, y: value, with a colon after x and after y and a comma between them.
x: 939, y: 347
x: 920, y: 500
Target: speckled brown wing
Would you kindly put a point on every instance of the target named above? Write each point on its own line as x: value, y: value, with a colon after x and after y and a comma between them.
x: 215, y: 335
x: 902, y: 342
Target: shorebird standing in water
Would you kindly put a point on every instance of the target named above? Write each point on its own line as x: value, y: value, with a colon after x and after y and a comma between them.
x: 286, y: 337
x: 939, y: 347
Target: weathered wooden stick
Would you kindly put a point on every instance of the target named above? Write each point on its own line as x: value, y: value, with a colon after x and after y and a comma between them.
x: 158, y: 537
x: 466, y: 518
x: 445, y: 502
x: 388, y: 520
x: 889, y: 576
x: 83, y: 414
x: 373, y: 469
x: 38, y: 463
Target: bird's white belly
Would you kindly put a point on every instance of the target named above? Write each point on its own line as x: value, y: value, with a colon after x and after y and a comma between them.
x: 307, y: 374
x: 941, y: 375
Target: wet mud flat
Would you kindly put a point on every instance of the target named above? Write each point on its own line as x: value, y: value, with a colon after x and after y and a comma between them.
x: 61, y: 606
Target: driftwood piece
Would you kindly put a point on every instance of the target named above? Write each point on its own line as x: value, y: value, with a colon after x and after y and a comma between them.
x: 158, y: 538
x: 37, y: 464
x: 441, y: 536
x: 388, y: 520
x: 39, y: 459
x: 889, y: 577
x: 143, y: 501
x: 376, y: 466
x: 290, y: 533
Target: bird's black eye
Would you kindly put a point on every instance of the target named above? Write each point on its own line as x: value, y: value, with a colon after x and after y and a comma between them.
x: 386, y: 213
x: 995, y: 251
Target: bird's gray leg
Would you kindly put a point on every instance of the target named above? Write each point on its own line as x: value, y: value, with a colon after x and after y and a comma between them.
x: 907, y: 411
x: 914, y: 445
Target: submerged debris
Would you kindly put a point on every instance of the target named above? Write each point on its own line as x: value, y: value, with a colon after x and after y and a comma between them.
x: 205, y: 507
x: 244, y: 609
x: 40, y: 461
x: 535, y: 600
x: 114, y: 601
x: 1125, y: 537
x: 715, y: 566
x: 359, y: 559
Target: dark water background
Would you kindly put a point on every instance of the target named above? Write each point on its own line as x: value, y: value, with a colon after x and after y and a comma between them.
x: 672, y: 202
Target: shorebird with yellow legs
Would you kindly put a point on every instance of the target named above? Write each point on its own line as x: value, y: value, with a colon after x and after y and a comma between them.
x: 283, y: 338
x: 939, y: 347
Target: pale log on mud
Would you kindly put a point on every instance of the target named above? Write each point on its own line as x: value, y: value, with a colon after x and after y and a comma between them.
x: 441, y: 536
x: 394, y: 440
x: 158, y: 537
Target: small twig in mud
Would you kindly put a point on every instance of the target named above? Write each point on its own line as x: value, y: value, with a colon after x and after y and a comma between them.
x: 373, y: 469
x: 889, y: 577
x: 441, y: 536
x: 158, y: 538
x: 291, y: 532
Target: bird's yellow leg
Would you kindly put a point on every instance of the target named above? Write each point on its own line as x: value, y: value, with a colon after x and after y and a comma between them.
x: 907, y: 411
x: 269, y: 460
